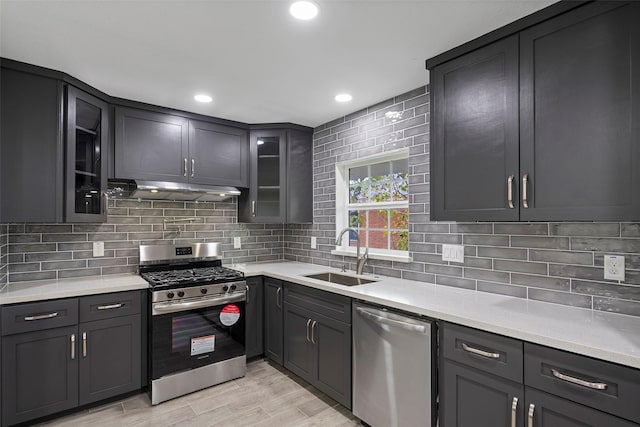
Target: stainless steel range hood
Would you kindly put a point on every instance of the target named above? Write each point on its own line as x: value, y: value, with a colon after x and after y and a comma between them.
x: 162, y: 190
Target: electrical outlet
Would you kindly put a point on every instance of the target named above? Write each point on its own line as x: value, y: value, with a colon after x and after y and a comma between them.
x: 614, y: 267
x: 237, y: 244
x: 314, y: 244
x: 453, y: 253
x: 98, y: 249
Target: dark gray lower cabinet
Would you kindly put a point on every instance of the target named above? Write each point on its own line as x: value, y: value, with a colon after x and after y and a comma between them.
x: 110, y: 357
x: 39, y: 374
x: 254, y: 337
x: 273, y: 319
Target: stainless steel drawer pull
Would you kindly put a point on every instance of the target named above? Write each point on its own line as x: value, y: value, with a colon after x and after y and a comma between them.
x: 514, y: 415
x: 532, y: 408
x: 253, y: 208
x: 247, y: 293
x: 510, y: 191
x: 278, y: 303
x: 110, y: 306
x: 313, y: 331
x: 84, y: 344
x: 525, y: 183
x: 308, y: 323
x: 185, y: 167
x: 193, y: 167
x: 574, y: 380
x: 73, y: 346
x: 480, y: 352
x: 42, y: 316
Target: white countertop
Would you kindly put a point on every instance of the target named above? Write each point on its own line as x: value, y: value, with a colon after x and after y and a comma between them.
x: 608, y: 336
x: 65, y: 288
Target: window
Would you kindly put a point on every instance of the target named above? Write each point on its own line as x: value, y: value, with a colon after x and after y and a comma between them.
x: 372, y: 196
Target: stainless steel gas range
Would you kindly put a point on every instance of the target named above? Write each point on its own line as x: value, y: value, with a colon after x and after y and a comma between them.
x: 197, y: 324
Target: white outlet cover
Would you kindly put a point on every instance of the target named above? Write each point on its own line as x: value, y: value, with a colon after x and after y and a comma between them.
x: 314, y: 243
x: 98, y: 249
x: 453, y: 253
x: 237, y: 244
x: 614, y: 267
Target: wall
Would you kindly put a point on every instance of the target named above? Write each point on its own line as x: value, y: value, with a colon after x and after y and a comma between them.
x: 554, y: 262
x: 50, y: 251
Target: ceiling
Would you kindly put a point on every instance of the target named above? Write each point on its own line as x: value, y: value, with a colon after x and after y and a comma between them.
x: 257, y: 62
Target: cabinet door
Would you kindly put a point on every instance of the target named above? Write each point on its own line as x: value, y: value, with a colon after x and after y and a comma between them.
x: 39, y: 374
x: 218, y: 155
x: 332, y: 341
x: 273, y: 319
x: 86, y: 157
x: 299, y: 195
x: 546, y: 410
x: 110, y: 357
x: 474, y: 143
x: 299, y: 350
x: 579, y: 122
x: 151, y: 146
x: 254, y: 337
x: 470, y: 398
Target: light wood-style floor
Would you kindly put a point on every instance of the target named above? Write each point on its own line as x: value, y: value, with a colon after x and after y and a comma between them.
x: 266, y: 396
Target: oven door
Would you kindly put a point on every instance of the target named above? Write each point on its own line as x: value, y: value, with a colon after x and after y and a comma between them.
x: 190, y: 334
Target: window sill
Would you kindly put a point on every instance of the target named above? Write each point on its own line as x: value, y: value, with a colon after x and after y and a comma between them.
x: 384, y: 257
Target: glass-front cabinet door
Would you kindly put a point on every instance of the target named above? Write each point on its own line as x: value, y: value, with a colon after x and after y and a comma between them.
x: 268, y: 157
x: 86, y: 168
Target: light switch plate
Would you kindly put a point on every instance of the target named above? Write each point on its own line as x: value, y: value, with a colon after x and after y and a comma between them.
x: 453, y: 253
x: 614, y: 267
x: 98, y: 249
x: 314, y: 244
x: 237, y: 244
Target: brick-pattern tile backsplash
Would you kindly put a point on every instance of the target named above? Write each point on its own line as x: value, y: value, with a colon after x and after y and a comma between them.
x: 56, y: 251
x: 555, y: 262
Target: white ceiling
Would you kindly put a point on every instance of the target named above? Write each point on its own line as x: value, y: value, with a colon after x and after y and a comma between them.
x: 259, y: 64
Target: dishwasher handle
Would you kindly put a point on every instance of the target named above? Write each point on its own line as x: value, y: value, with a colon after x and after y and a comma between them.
x: 392, y: 322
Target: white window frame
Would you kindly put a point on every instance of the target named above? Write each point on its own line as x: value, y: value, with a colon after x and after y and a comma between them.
x: 343, y: 206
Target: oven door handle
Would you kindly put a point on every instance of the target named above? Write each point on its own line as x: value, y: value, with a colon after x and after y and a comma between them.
x: 173, y: 307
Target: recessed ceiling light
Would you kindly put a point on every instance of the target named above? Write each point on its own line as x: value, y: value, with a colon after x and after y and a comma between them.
x: 203, y: 98
x: 343, y: 97
x: 154, y: 191
x: 303, y: 10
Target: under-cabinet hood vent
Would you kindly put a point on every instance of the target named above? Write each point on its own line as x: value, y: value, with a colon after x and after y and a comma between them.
x: 162, y: 190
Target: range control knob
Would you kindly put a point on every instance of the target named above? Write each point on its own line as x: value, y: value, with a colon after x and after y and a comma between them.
x: 170, y: 295
x: 203, y: 291
x: 233, y: 287
x: 225, y: 288
x: 180, y: 294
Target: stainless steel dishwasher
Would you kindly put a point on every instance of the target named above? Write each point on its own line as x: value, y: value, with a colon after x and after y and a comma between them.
x: 393, y: 368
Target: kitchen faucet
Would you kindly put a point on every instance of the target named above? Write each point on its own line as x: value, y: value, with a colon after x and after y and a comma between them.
x: 360, y: 260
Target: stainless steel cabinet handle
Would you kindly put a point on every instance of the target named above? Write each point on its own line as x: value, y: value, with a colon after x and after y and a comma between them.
x: 42, y: 316
x: 574, y: 380
x: 247, y: 293
x: 313, y: 331
x: 193, y: 167
x: 253, y: 208
x: 278, y: 303
x: 532, y: 408
x: 525, y: 182
x: 480, y: 352
x: 73, y: 346
x: 185, y: 167
x: 510, y: 191
x: 308, y: 323
x: 105, y: 203
x: 392, y: 322
x: 110, y: 306
x: 514, y: 408
x: 84, y: 344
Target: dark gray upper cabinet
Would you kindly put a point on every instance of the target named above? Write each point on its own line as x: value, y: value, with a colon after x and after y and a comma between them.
x: 569, y: 151
x: 273, y: 315
x: 474, y: 148
x: 254, y: 337
x: 164, y: 147
x: 281, y: 185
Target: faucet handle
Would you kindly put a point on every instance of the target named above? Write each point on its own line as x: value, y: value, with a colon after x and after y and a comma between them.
x: 366, y: 253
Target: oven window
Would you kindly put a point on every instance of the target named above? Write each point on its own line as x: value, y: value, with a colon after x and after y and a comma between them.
x: 194, y: 338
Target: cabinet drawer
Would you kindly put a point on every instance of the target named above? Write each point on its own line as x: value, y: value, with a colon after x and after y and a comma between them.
x: 492, y: 353
x: 605, y: 386
x: 38, y: 316
x: 334, y: 306
x: 106, y: 306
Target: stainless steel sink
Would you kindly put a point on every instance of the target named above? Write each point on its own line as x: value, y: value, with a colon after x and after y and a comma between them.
x: 340, y: 279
